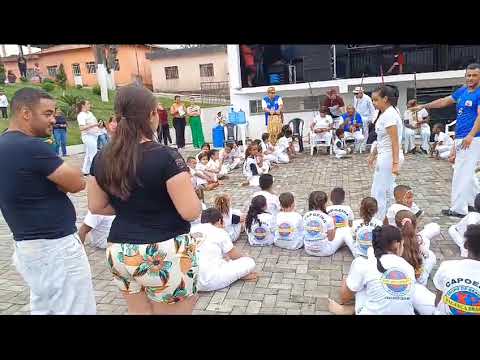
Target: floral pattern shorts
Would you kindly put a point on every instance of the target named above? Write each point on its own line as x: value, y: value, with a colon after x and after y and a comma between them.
x: 167, y: 271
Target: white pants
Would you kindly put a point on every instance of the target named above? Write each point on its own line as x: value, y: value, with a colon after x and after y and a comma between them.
x: 327, y: 247
x: 464, y: 184
x: 325, y: 137
x: 90, y: 142
x: 282, y: 157
x: 458, y: 239
x: 444, y: 151
x: 58, y: 274
x: 358, y: 136
x: 429, y: 232
x: 423, y: 300
x: 384, y: 183
x: 345, y: 234
x: 425, y: 134
x: 408, y: 139
x: 228, y: 273
x: 271, y: 158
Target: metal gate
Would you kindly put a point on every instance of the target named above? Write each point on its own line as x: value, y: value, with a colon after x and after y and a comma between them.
x: 215, y: 92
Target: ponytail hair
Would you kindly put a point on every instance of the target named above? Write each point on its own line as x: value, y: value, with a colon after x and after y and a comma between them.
x: 257, y: 207
x: 222, y: 204
x: 80, y: 104
x: 407, y: 223
x: 368, y: 209
x: 318, y: 201
x: 383, y: 239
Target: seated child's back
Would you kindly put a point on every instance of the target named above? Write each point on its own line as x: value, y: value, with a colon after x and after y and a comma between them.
x: 289, y: 224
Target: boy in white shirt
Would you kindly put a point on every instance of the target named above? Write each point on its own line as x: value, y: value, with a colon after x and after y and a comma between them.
x: 3, y: 104
x: 458, y: 281
x: 97, y: 227
x: 199, y: 179
x: 227, y: 156
x: 340, y: 148
x: 282, y: 148
x: 220, y: 262
x: 403, y: 195
x: 289, y: 224
x: 342, y: 216
x: 443, y: 143
x: 215, y: 165
x: 457, y: 231
x: 321, y: 128
x: 266, y: 185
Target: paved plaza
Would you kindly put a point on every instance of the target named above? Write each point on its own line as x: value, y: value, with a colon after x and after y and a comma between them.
x: 290, y: 282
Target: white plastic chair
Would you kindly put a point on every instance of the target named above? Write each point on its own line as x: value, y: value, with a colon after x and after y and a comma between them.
x: 447, y: 129
x: 319, y: 145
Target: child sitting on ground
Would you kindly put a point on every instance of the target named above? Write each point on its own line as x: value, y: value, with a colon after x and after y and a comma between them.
x: 233, y: 219
x: 457, y: 231
x: 289, y: 224
x: 266, y: 186
x: 201, y: 168
x: 417, y: 244
x: 201, y: 197
x: 457, y: 280
x: 342, y: 216
x: 319, y: 229
x: 215, y: 165
x: 97, y: 227
x: 362, y: 229
x: 268, y: 150
x: 205, y: 149
x: 228, y: 157
x: 340, y: 148
x: 259, y: 223
x: 403, y: 195
x: 283, y: 147
x: 251, y: 168
x: 200, y: 180
x: 443, y: 143
x: 214, y: 245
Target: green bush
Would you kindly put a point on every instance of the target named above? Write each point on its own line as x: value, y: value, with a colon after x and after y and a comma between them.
x: 48, y: 86
x: 48, y: 81
x: 23, y: 79
x: 96, y: 90
x: 68, y: 105
x: 3, y: 76
x: 79, y: 86
x: 61, y: 78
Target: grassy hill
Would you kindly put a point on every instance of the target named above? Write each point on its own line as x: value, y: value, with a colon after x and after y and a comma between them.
x: 101, y: 110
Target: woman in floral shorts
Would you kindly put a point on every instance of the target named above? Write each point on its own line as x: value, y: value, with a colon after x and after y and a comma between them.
x: 147, y: 186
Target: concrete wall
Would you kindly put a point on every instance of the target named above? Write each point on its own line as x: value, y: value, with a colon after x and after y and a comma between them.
x: 188, y: 72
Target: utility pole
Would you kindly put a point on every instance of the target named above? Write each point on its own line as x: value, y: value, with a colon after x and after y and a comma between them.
x: 4, y: 52
x: 100, y: 60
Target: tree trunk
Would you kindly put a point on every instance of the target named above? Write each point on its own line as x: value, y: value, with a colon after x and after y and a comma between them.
x: 4, y: 52
x: 100, y: 59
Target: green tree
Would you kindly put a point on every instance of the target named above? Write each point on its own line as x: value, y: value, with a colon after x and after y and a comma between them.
x: 2, y: 74
x: 61, y: 79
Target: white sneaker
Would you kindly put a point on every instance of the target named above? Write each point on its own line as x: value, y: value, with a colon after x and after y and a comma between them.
x: 464, y: 253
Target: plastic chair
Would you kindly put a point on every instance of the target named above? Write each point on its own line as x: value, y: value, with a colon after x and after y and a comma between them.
x: 313, y: 145
x: 447, y: 129
x: 230, y: 132
x: 297, y: 128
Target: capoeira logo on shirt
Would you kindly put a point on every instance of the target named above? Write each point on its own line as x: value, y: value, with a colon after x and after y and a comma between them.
x: 314, y: 227
x: 340, y: 218
x: 396, y: 284
x: 463, y: 300
x: 260, y: 233
x: 364, y: 239
x: 285, y: 231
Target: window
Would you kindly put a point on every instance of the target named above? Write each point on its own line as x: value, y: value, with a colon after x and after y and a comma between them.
x: 76, y: 70
x: 52, y: 71
x: 291, y: 104
x: 171, y: 72
x: 117, y: 65
x: 206, y: 70
x: 30, y: 73
x: 91, y: 67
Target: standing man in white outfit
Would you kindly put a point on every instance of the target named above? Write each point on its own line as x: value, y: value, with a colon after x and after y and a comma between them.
x: 466, y: 152
x: 90, y: 131
x: 418, y: 120
x: 364, y: 106
x: 386, y: 156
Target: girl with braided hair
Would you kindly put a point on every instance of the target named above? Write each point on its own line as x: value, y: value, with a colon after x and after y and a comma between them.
x: 259, y: 223
x: 232, y: 218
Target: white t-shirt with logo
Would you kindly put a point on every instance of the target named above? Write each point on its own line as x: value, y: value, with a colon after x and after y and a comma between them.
x: 470, y: 219
x: 362, y: 234
x: 443, y: 138
x: 86, y: 118
x: 389, y: 293
x: 282, y: 145
x: 289, y: 230
x: 212, y: 247
x: 273, y: 204
x: 316, y: 225
x: 389, y: 117
x: 262, y: 233
x: 100, y: 225
x: 459, y: 282
x: 3, y: 101
x: 322, y: 122
x: 393, y: 210
x: 341, y: 214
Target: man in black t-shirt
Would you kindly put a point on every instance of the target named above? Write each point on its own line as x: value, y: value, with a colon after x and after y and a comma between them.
x: 34, y: 183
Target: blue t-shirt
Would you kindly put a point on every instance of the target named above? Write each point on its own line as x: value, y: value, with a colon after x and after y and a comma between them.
x: 358, y: 119
x: 467, y: 111
x: 31, y: 204
x: 272, y: 104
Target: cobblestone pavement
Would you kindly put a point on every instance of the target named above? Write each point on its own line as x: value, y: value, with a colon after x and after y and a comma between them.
x: 290, y: 282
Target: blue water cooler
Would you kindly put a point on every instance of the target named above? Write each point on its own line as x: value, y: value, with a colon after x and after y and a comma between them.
x: 218, y: 137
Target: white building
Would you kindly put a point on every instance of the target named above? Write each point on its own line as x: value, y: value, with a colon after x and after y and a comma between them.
x: 301, y: 98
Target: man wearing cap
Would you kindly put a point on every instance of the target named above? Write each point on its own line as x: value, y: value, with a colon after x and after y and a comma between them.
x: 335, y: 107
x: 364, y: 106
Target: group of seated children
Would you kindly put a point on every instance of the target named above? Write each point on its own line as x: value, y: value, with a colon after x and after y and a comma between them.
x: 443, y: 144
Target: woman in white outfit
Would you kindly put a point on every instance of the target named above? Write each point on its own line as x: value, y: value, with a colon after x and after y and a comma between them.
x: 89, y: 131
x: 386, y: 156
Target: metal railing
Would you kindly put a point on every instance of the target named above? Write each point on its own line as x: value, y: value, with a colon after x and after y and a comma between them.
x: 215, y: 92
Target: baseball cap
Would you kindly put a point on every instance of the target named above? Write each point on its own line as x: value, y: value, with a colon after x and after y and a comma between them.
x: 357, y: 89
